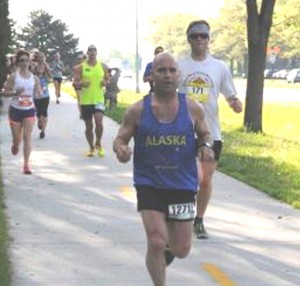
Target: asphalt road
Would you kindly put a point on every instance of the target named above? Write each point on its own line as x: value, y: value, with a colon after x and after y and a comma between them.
x: 73, y: 222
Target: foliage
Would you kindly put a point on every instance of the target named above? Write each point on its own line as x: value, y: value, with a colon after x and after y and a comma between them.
x: 5, y: 39
x: 169, y: 32
x: 229, y: 36
x: 286, y: 28
x: 49, y: 36
x: 229, y: 32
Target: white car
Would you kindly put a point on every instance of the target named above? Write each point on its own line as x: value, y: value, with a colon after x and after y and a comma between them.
x: 293, y: 76
x: 281, y: 74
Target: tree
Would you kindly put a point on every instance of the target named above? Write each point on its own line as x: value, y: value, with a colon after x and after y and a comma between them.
x: 258, y: 30
x: 48, y: 36
x: 169, y: 32
x: 229, y: 36
x: 5, y: 39
x: 285, y: 34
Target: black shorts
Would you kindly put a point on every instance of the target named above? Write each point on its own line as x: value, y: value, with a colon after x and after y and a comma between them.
x: 217, y: 147
x: 175, y: 204
x: 58, y: 79
x: 17, y: 115
x: 41, y: 106
x: 87, y: 111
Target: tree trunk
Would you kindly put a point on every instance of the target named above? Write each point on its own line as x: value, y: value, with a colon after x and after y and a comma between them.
x: 258, y: 29
x: 255, y: 88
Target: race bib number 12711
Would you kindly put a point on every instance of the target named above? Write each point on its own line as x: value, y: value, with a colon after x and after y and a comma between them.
x: 184, y: 211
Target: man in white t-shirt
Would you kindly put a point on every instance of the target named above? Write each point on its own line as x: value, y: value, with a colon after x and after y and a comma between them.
x: 204, y: 77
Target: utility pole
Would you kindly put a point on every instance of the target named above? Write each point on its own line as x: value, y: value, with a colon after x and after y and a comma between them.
x: 137, y: 58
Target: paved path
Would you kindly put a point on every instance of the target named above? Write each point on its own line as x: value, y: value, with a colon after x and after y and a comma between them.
x: 74, y: 221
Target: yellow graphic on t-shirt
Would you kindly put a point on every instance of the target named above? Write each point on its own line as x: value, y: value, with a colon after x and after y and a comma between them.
x: 198, y: 89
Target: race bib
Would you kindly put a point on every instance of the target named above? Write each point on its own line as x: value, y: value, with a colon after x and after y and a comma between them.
x: 183, y: 211
x: 100, y: 106
x: 198, y: 91
x: 25, y: 100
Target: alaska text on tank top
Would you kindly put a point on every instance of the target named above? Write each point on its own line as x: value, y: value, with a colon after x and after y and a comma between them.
x: 165, y: 153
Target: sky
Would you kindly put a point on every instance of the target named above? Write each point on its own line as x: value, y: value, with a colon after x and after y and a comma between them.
x: 111, y: 24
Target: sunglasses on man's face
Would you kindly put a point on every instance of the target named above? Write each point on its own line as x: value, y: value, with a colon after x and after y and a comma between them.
x: 199, y: 35
x: 165, y: 70
x: 91, y: 49
x: 23, y: 60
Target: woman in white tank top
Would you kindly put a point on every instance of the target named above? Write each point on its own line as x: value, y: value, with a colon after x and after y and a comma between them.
x: 21, y: 86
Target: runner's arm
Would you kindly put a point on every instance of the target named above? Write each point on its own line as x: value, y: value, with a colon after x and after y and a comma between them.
x: 9, y: 86
x: 204, y: 140
x: 37, y: 87
x: 126, y: 132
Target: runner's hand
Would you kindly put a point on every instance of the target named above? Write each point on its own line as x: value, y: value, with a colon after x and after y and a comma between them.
x: 206, y: 154
x: 124, y: 153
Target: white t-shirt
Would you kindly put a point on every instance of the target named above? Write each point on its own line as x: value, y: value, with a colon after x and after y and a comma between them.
x: 204, y: 81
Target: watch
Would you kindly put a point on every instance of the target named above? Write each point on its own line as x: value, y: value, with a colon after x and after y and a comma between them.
x: 206, y: 144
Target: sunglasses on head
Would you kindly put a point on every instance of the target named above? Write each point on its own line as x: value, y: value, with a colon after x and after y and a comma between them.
x: 196, y: 36
x: 158, y: 52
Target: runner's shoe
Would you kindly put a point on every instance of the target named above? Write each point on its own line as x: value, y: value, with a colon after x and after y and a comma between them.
x: 169, y: 255
x: 26, y: 170
x: 90, y: 153
x: 100, y: 151
x: 42, y: 134
x: 199, y: 229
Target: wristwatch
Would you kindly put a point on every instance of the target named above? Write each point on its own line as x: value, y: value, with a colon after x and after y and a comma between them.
x: 206, y: 144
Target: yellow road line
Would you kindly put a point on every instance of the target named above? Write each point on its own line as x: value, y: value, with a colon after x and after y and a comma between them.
x: 128, y: 193
x: 218, y: 275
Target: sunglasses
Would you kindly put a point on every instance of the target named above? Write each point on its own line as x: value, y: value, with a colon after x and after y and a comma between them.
x: 91, y: 49
x: 165, y: 70
x: 199, y: 35
x: 23, y: 60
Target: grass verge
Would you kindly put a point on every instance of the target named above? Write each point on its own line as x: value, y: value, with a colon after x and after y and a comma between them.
x: 5, y: 266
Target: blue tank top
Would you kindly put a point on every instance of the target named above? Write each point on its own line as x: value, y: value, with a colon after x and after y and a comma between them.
x: 44, y: 86
x: 165, y: 153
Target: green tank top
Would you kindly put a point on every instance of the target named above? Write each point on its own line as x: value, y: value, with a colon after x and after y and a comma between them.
x: 94, y: 75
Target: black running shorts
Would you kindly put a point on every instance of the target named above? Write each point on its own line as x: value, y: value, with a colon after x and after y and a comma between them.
x: 217, y: 147
x: 87, y: 111
x: 176, y: 204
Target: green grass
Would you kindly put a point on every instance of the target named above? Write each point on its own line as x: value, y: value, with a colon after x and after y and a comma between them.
x: 5, y: 266
x: 269, y: 161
